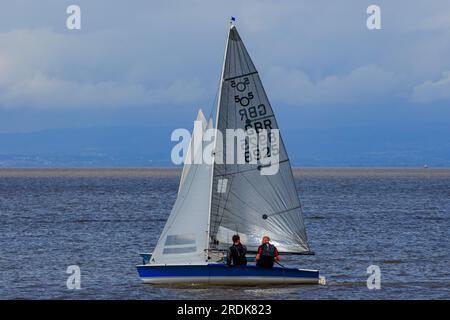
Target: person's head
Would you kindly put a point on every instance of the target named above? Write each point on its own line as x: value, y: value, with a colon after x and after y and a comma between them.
x: 265, y: 239
x: 236, y: 239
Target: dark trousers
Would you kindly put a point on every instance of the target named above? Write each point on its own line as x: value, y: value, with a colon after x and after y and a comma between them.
x: 265, y: 262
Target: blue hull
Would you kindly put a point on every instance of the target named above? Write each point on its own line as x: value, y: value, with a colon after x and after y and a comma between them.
x: 222, y: 275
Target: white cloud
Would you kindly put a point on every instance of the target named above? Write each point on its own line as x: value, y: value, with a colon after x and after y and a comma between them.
x: 43, y: 69
x: 169, y: 53
x: 44, y: 92
x: 361, y: 84
x: 430, y: 91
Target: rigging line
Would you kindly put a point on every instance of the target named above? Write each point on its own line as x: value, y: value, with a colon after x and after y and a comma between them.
x: 218, y: 118
x: 217, y: 210
x: 224, y: 167
x: 227, y: 114
x: 224, y: 117
x: 282, y: 253
x: 214, y: 105
x: 227, y: 57
x: 280, y: 264
x: 219, y: 198
x: 220, y: 80
x: 216, y: 99
x: 221, y: 89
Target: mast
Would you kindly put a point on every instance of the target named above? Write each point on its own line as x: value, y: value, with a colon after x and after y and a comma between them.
x: 215, y: 137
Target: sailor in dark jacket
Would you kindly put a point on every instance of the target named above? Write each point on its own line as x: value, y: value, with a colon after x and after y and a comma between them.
x: 237, y: 252
x: 267, y: 254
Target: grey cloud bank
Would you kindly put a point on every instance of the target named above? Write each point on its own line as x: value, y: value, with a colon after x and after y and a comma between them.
x: 153, y: 53
x: 431, y: 91
x: 156, y: 62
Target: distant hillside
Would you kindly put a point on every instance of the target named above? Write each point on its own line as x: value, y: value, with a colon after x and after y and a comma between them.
x: 150, y: 147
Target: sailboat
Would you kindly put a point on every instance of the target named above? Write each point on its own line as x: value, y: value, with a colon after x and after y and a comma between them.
x: 217, y: 200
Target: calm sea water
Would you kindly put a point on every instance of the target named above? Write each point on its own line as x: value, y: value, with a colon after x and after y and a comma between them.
x: 100, y: 220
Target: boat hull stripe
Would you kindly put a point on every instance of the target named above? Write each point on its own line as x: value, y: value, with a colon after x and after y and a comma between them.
x: 223, y: 274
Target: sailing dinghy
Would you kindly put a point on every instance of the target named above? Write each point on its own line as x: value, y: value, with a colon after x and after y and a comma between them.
x: 217, y: 200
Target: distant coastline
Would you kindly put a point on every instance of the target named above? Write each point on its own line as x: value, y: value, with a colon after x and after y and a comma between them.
x: 171, y: 171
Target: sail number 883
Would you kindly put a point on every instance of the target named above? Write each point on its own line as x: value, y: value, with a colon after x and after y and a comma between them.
x: 265, y: 146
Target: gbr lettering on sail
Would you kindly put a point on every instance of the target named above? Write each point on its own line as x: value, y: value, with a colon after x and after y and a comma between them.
x: 256, y: 121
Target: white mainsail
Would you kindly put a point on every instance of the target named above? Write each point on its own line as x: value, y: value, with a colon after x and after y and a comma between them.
x: 243, y: 200
x: 184, y: 239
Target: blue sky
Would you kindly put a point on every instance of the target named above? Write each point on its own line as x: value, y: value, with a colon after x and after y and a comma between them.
x: 154, y: 63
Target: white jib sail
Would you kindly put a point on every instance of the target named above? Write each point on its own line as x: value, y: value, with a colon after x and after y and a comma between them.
x: 184, y: 239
